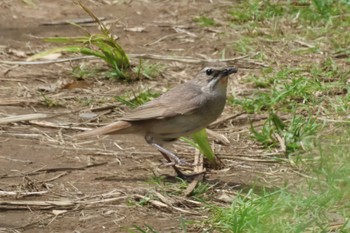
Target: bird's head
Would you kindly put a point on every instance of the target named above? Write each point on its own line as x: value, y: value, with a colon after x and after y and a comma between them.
x: 214, y: 79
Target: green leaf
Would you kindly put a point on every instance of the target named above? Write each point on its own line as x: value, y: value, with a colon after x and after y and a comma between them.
x: 200, y: 138
x: 277, y: 122
x: 68, y: 40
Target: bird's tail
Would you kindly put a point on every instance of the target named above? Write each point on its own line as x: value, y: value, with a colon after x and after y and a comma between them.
x: 116, y: 127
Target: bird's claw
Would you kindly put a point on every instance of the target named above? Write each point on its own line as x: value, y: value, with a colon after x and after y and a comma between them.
x: 178, y: 162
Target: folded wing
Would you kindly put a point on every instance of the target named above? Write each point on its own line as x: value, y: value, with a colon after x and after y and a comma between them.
x: 181, y: 100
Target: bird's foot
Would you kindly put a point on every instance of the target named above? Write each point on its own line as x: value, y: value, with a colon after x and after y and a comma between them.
x: 171, y: 157
x: 185, y: 176
x: 173, y: 160
x: 179, y: 162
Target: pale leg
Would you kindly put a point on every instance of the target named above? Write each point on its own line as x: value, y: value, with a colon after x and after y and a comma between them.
x: 171, y: 155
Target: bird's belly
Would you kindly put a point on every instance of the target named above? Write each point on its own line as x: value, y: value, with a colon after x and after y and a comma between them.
x: 178, y: 126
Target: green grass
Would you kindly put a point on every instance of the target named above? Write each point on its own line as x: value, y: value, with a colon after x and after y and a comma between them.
x: 301, y: 92
x: 315, y: 204
x: 201, y: 142
x: 293, y: 133
x: 301, y: 95
x: 29, y: 2
x: 308, y: 12
x: 205, y: 21
x: 50, y: 102
x: 105, y: 47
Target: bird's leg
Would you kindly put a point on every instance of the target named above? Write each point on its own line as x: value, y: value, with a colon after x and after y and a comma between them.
x: 171, y: 155
x: 177, y: 170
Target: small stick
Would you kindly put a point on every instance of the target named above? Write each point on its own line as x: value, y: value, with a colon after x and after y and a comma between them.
x: 53, y: 125
x: 70, y: 21
x: 13, y: 193
x: 46, y: 62
x: 55, y: 169
x: 26, y: 117
x: 54, y: 178
x: 198, y: 161
x: 220, y: 121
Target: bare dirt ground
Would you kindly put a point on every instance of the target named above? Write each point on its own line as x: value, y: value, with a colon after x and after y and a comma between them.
x: 61, y: 185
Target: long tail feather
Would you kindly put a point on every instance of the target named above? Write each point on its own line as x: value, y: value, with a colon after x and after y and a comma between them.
x: 108, y: 129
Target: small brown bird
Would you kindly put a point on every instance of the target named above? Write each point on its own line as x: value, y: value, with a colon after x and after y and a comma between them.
x: 181, y: 111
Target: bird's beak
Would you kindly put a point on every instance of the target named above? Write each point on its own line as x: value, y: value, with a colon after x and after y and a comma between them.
x: 220, y: 77
x: 227, y: 71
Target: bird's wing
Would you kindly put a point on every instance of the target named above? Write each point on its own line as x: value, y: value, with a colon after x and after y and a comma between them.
x: 178, y: 101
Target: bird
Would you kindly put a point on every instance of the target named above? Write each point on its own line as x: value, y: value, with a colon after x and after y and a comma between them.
x: 183, y: 110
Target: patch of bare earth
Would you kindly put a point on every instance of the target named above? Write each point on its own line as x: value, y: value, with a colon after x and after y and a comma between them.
x: 51, y: 183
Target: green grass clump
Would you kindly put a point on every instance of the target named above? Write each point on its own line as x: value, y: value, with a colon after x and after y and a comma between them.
x: 286, y: 87
x: 319, y: 203
x: 292, y: 133
x: 254, y: 10
x: 293, y: 99
x: 205, y: 21
x: 314, y: 12
x: 201, y: 142
x: 103, y: 46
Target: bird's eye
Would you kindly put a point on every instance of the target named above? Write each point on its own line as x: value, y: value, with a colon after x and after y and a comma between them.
x: 209, y: 71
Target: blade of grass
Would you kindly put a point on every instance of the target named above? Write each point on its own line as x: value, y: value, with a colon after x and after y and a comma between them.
x: 201, y: 142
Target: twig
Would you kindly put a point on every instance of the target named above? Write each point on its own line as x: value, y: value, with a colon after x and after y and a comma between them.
x: 164, y: 199
x: 160, y: 39
x: 56, y: 204
x: 333, y: 120
x: 11, y: 102
x: 13, y: 193
x: 302, y: 43
x: 198, y: 161
x: 113, y: 199
x: 35, y: 116
x: 53, y: 178
x: 26, y: 117
x: 70, y: 21
x: 220, y: 121
x: 303, y: 175
x: 53, y: 125
x: 55, y: 169
x: 219, y: 137
x: 23, y: 135
x: 15, y: 160
x: 248, y: 159
x: 107, y: 107
x: 25, y: 203
x: 46, y: 62
x: 282, y: 142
